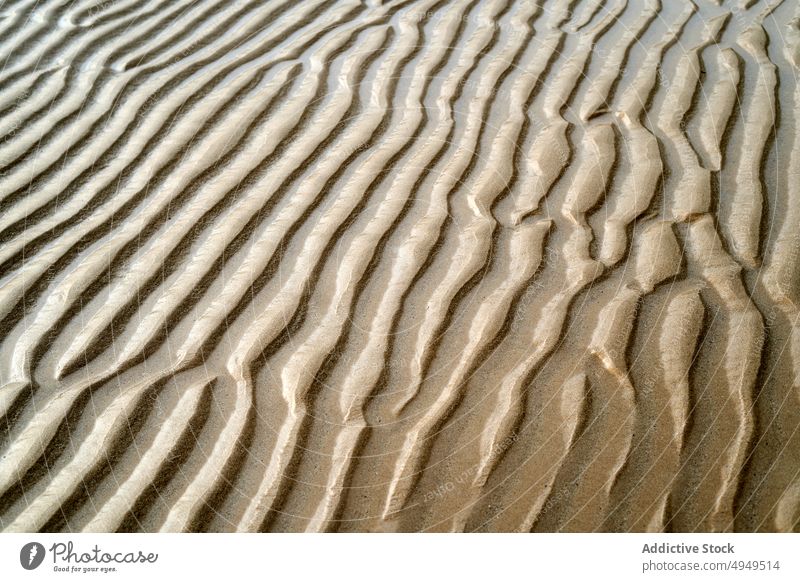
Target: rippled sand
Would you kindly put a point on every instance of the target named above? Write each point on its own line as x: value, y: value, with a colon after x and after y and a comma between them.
x: 409, y: 265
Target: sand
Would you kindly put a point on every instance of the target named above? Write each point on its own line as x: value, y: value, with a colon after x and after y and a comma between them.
x: 413, y: 265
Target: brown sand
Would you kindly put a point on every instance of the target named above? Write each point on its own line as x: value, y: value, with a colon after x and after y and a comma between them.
x: 440, y: 265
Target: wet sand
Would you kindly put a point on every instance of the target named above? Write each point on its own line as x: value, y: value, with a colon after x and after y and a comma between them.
x: 414, y: 265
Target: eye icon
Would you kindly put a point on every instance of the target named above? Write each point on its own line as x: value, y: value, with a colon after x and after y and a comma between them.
x: 31, y: 555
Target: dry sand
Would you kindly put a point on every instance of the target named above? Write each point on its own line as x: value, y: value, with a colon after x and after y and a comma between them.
x: 440, y: 265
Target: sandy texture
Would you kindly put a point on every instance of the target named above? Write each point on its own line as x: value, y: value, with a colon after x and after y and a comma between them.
x: 443, y: 265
